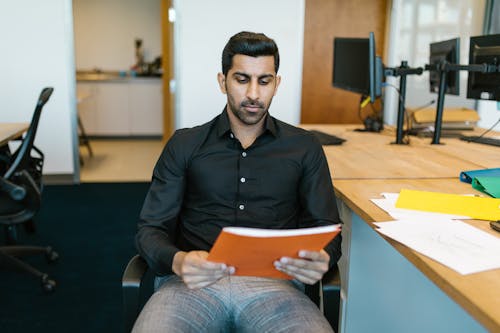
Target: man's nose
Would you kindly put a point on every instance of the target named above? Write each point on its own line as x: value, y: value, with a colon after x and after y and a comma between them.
x: 253, y: 90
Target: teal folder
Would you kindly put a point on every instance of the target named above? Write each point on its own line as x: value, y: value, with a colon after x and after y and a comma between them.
x: 488, y: 185
x: 468, y: 176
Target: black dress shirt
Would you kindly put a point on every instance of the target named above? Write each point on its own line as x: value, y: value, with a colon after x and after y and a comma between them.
x: 205, y: 180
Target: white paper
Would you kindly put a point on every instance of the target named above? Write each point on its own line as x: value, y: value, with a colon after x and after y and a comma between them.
x: 257, y: 232
x: 452, y: 243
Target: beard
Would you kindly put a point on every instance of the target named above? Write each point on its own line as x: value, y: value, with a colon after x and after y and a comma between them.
x: 245, y: 116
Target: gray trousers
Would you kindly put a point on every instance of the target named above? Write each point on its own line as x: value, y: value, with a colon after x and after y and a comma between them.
x: 233, y: 304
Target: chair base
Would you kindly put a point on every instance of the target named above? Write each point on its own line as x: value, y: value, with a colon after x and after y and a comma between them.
x: 9, y: 257
x: 11, y: 231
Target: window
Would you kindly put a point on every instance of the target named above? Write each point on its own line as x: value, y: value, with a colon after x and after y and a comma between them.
x: 414, y: 25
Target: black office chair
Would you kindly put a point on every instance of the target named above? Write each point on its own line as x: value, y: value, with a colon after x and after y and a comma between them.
x: 20, y: 196
x: 137, y: 287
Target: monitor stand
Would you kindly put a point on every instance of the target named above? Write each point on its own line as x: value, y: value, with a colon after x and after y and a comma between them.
x: 403, y: 71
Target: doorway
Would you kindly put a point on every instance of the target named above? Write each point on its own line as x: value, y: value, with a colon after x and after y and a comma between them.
x: 127, y: 113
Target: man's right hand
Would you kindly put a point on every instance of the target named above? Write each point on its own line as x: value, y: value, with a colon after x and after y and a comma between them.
x: 196, y: 271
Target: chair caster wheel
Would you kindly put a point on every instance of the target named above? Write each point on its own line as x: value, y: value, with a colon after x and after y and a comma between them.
x: 48, y: 285
x: 51, y: 255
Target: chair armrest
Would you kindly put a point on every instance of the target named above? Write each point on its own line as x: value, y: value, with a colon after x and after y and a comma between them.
x: 134, y: 272
x: 331, y: 280
x: 131, y: 290
x: 331, y: 285
x: 16, y: 192
x: 321, y: 289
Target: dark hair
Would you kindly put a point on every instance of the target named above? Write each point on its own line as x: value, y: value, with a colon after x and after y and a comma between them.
x: 250, y: 44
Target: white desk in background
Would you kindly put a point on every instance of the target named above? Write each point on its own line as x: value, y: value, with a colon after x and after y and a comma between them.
x: 10, y: 131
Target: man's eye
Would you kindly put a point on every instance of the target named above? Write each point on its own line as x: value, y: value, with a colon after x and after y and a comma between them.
x: 242, y: 80
x: 264, y: 82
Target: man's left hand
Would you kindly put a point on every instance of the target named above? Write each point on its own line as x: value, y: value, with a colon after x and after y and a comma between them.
x: 308, y: 269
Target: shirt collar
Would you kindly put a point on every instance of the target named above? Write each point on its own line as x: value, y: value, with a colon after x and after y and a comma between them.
x: 223, y: 125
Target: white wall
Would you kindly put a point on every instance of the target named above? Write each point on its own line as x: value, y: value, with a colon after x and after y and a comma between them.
x: 37, y: 51
x: 105, y: 31
x: 202, y: 29
x: 489, y: 112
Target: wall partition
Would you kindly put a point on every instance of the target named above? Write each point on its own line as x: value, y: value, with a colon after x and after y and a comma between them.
x: 202, y: 28
x: 37, y: 52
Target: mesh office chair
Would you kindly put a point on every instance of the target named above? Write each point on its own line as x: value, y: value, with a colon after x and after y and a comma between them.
x: 20, y: 196
x: 137, y: 287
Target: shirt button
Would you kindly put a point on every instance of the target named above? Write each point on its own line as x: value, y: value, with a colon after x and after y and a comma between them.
x: 244, y: 154
x: 231, y: 135
x: 242, y: 179
x: 241, y: 207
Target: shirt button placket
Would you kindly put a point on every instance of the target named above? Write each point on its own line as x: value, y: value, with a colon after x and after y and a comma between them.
x: 242, y: 180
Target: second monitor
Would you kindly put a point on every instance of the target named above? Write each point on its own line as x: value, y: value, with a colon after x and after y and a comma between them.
x: 484, y: 50
x: 441, y: 53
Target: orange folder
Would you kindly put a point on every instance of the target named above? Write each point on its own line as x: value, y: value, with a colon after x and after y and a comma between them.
x: 253, y: 251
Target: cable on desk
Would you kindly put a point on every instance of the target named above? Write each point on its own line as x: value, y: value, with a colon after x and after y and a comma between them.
x: 488, y: 130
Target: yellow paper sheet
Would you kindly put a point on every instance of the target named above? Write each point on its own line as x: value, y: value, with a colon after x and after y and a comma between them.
x: 475, y: 207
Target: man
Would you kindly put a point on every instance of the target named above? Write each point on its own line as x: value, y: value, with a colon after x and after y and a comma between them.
x: 243, y: 168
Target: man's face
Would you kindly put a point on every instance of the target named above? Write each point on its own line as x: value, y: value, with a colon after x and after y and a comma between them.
x: 250, y: 86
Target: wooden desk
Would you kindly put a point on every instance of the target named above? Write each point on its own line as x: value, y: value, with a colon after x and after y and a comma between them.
x: 386, y: 286
x: 10, y: 131
x: 368, y: 155
x: 484, y: 155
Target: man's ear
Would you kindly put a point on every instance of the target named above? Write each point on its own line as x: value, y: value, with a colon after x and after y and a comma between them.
x: 222, y: 82
x: 278, y: 81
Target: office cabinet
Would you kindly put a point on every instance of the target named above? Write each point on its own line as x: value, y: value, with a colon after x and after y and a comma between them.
x: 145, y: 107
x: 113, y: 115
x: 128, y: 107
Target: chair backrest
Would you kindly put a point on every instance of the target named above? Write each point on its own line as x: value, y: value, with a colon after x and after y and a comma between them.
x: 22, y: 159
x: 21, y: 186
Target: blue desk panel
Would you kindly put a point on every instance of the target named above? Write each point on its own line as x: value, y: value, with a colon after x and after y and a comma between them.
x: 386, y: 293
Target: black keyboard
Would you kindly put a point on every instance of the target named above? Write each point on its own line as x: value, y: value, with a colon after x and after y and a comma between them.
x: 327, y: 139
x: 481, y: 139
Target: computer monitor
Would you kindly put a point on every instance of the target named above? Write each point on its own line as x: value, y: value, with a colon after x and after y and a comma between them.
x: 441, y: 53
x: 484, y: 50
x: 355, y: 66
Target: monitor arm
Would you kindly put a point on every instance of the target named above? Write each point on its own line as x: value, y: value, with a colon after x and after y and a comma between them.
x: 402, y: 71
x: 447, y: 67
